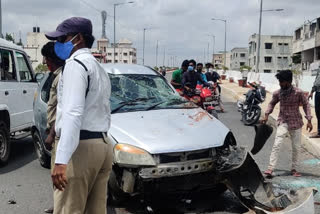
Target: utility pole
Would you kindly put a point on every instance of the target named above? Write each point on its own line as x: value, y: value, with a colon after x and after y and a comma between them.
x: 144, y: 39
x: 157, y: 47
x: 259, y: 38
x: 164, y: 55
x: 208, y: 53
x: 225, y: 39
x: 1, y: 35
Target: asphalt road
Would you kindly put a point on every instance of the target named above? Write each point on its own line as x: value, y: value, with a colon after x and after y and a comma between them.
x: 25, y: 182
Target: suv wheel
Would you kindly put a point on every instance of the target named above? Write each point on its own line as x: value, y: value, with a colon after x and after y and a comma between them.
x: 4, y: 143
x: 44, y: 159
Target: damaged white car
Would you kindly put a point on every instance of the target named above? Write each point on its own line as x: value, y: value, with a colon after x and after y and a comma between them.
x: 165, y: 145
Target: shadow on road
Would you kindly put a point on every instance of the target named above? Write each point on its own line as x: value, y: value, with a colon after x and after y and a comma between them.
x: 22, y: 153
x: 201, y: 203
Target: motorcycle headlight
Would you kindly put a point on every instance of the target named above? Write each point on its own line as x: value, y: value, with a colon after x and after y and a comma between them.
x: 125, y: 154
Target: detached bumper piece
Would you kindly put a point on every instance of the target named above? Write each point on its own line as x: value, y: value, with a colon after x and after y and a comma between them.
x: 243, y: 177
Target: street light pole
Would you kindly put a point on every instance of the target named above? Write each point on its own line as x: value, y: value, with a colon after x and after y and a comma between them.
x: 114, y: 27
x: 225, y: 39
x: 259, y: 35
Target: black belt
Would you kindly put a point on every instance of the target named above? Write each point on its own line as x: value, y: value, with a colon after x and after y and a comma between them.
x: 86, y: 135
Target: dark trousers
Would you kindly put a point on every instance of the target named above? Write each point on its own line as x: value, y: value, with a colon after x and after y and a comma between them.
x: 317, y: 108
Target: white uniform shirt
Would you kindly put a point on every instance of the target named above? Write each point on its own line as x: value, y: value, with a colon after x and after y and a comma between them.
x: 77, y: 112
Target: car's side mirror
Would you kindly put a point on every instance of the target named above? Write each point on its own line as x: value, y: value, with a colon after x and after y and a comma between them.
x: 39, y: 77
x: 263, y: 132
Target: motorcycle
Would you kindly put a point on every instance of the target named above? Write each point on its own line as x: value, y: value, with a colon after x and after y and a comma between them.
x: 250, y: 109
x: 201, y: 96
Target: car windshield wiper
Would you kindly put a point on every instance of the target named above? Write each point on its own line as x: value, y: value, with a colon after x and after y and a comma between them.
x: 131, y: 102
x: 155, y: 105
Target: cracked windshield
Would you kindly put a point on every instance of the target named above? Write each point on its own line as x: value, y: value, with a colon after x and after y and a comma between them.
x: 160, y: 106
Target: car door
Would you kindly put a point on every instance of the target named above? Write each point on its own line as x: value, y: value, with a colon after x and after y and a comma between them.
x: 9, y: 88
x: 27, y: 88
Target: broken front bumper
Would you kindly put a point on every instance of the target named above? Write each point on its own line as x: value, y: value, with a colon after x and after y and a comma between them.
x: 243, y: 177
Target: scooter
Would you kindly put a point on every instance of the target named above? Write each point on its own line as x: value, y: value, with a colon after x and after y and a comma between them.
x: 250, y: 109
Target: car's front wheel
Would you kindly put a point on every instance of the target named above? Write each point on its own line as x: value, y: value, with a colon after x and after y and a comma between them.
x: 4, y: 143
x: 43, y: 157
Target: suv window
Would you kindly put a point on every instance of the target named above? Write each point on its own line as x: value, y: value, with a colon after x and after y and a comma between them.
x: 7, y: 69
x: 24, y: 70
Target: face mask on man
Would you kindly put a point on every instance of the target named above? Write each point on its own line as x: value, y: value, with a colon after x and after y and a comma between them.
x: 210, y: 70
x: 190, y: 68
x: 63, y: 50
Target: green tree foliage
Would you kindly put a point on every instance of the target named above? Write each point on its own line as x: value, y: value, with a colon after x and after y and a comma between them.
x: 41, y: 68
x: 9, y: 37
x: 245, y: 67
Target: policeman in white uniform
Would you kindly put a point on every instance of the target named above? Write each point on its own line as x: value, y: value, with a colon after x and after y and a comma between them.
x: 83, y: 158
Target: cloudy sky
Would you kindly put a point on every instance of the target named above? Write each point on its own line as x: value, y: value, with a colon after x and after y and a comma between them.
x: 181, y: 26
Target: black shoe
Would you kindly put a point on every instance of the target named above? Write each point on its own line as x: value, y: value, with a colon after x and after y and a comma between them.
x: 50, y: 210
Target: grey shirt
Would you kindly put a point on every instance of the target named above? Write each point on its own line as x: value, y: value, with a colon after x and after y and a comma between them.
x: 316, y: 84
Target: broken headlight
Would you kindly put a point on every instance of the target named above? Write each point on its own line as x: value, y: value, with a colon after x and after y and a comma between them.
x: 125, y: 154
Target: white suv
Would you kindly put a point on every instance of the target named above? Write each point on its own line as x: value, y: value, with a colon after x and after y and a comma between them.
x: 17, y: 90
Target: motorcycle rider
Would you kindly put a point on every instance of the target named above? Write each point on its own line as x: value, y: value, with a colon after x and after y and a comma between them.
x: 177, y: 75
x: 201, y: 72
x: 191, y: 77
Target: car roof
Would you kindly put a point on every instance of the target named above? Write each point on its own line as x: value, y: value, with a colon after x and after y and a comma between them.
x: 6, y: 44
x: 119, y: 68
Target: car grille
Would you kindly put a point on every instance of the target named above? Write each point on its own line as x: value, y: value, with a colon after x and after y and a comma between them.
x: 184, y: 156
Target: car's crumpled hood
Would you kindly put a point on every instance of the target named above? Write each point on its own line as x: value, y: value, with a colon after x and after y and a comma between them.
x: 168, y: 130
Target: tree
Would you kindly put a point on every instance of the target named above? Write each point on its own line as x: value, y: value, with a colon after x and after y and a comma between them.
x: 9, y: 37
x: 245, y: 67
x: 41, y: 68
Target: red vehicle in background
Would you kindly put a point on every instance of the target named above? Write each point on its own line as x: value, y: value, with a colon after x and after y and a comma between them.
x: 201, y: 96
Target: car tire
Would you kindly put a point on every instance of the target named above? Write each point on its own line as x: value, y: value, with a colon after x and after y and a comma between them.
x: 5, y: 145
x: 43, y: 157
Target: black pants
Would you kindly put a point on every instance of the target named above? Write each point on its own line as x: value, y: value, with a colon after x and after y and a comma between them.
x: 317, y: 108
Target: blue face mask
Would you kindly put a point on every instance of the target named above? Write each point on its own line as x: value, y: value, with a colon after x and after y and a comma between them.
x: 63, y: 50
x: 190, y: 68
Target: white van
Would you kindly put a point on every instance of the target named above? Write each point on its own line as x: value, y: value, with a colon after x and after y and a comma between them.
x: 17, y: 91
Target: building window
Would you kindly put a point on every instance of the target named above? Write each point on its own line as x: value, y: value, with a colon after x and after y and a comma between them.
x: 116, y: 61
x: 280, y: 44
x: 268, y: 45
x: 236, y: 54
x: 242, y: 63
x: 286, y: 44
x: 109, y: 61
x: 254, y: 60
x: 268, y: 59
x: 267, y: 71
x: 285, y: 58
x: 105, y: 49
x: 243, y: 55
x: 298, y: 34
x: 279, y: 57
x: 116, y: 54
x: 125, y: 54
x: 125, y: 61
x: 131, y: 53
x: 109, y: 54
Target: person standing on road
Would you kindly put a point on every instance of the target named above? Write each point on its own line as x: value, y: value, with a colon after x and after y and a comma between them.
x: 289, y: 119
x: 84, y: 157
x: 177, y: 75
x: 316, y: 88
x: 54, y: 64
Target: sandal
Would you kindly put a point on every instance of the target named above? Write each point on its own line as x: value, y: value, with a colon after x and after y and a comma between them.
x: 268, y: 173
x: 294, y: 173
x: 315, y: 136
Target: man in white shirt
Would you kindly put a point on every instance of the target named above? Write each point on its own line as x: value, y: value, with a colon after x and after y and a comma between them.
x: 83, y: 157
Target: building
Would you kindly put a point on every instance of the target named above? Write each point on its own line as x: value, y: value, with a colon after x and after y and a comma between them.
x: 124, y: 52
x: 218, y: 60
x: 238, y: 58
x: 306, y: 43
x: 275, y: 53
x: 35, y: 41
